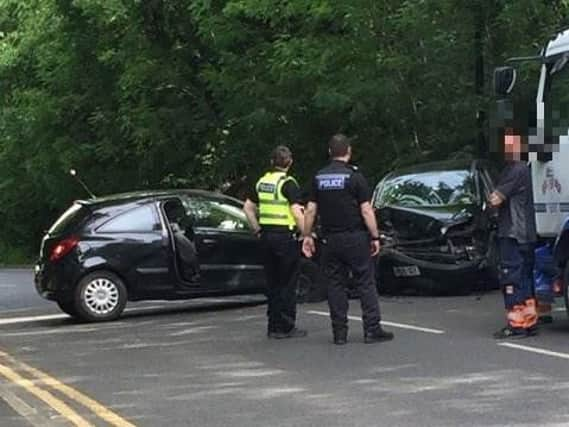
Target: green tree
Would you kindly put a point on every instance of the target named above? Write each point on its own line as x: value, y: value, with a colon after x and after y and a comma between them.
x: 159, y: 93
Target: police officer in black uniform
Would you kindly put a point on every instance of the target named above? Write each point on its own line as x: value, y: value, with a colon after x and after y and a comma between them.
x: 341, y: 195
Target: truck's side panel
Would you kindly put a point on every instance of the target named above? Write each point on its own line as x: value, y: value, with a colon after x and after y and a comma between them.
x: 551, y: 191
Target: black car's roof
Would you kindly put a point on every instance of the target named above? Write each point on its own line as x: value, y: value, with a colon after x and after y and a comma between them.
x: 148, y: 196
x: 447, y: 165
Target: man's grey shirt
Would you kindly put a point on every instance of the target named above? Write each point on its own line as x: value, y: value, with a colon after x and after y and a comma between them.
x: 516, y: 217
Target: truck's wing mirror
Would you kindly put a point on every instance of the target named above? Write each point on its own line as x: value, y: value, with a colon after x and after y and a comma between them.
x: 504, y: 80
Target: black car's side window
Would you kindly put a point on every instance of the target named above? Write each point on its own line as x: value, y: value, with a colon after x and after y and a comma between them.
x: 137, y: 220
x: 216, y: 213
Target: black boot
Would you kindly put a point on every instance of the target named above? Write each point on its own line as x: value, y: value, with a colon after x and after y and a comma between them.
x: 340, y: 336
x: 293, y: 333
x: 377, y: 335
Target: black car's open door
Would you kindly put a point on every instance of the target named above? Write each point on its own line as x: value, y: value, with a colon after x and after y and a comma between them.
x: 229, y: 260
x: 182, y: 245
x: 229, y: 255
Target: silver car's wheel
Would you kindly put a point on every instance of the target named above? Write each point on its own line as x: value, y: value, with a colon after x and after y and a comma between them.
x: 100, y: 296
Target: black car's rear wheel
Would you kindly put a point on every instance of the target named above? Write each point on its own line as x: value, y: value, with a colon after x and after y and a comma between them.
x: 100, y: 296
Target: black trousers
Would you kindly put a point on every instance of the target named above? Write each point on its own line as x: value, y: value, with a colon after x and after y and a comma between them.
x: 281, y: 258
x: 350, y: 251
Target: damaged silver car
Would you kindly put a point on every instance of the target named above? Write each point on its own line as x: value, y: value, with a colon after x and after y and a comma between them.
x: 438, y: 235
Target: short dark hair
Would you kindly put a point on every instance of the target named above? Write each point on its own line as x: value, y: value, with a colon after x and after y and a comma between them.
x: 339, y: 145
x: 281, y: 156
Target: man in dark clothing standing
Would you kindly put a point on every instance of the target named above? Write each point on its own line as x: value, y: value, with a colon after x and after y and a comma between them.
x: 278, y: 199
x: 516, y: 241
x: 341, y: 195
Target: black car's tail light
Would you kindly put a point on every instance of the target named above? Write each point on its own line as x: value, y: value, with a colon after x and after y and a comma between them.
x: 63, y: 248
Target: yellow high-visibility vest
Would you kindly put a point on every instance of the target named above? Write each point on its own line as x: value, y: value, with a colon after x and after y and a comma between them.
x: 274, y: 208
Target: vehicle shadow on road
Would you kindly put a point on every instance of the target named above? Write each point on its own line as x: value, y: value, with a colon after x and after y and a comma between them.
x: 142, y: 312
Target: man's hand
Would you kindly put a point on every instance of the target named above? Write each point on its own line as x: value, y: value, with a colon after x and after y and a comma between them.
x: 375, y: 246
x: 308, y: 246
x: 250, y: 209
x: 495, y: 199
x: 368, y: 215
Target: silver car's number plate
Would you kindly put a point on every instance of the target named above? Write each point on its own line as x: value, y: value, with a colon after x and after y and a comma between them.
x: 406, y: 271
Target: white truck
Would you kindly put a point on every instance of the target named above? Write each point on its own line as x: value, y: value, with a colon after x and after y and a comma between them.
x: 549, y: 141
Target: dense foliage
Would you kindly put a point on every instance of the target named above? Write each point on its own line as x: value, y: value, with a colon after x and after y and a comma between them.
x: 160, y: 93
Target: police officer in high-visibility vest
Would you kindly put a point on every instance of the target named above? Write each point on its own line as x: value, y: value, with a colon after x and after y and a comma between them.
x: 275, y: 214
x: 341, y: 195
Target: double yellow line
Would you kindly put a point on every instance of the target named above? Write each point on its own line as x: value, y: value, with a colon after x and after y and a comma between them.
x: 38, y: 383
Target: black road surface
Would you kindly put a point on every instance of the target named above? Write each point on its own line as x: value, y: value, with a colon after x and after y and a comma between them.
x: 209, y: 363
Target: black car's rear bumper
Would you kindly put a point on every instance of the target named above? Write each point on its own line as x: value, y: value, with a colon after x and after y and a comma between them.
x: 457, y: 276
x: 53, y: 281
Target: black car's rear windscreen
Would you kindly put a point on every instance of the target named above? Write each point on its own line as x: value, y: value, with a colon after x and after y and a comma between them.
x: 70, y: 219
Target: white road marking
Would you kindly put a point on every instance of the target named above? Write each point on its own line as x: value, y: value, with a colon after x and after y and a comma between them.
x: 5, y: 310
x: 14, y: 320
x: 383, y: 322
x: 143, y: 309
x: 535, y: 350
x: 27, y: 319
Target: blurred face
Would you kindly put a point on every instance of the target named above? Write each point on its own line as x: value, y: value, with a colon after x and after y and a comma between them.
x: 512, y: 146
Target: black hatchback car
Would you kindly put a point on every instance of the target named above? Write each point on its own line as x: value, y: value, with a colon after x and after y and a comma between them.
x: 104, y: 251
x: 438, y: 234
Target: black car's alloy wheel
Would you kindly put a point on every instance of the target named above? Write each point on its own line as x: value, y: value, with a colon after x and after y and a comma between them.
x: 100, y: 296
